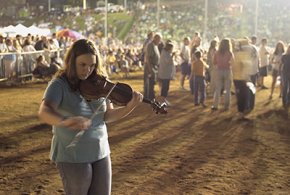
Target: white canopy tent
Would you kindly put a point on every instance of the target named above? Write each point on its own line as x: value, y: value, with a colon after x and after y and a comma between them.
x: 22, y: 30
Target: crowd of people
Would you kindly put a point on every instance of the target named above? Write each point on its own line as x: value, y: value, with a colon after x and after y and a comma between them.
x: 211, y: 71
x: 230, y: 66
x: 25, y: 55
x: 42, y: 56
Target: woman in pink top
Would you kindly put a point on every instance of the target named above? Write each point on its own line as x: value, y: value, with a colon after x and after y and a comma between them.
x: 223, y: 60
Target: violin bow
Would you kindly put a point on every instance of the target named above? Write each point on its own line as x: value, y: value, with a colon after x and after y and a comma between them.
x: 80, y: 133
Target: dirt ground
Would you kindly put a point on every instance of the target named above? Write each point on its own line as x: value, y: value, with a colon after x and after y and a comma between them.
x: 190, y: 150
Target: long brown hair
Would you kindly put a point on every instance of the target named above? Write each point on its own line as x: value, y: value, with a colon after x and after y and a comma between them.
x: 225, y: 46
x: 80, y: 47
x: 276, y: 51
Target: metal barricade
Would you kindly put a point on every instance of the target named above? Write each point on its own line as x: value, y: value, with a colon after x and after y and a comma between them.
x: 22, y: 64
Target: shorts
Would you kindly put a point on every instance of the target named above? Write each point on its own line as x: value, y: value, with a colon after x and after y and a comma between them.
x: 185, y: 68
x: 263, y: 71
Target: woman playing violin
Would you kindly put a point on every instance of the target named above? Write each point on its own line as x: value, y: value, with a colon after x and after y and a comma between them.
x: 86, y: 167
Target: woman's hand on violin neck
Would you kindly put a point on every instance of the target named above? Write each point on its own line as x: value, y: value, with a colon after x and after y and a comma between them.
x: 137, y: 98
x: 76, y: 123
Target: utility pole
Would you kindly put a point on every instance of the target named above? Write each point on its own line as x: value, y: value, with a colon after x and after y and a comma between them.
x: 125, y: 5
x: 49, y: 5
x: 84, y: 4
x: 106, y: 22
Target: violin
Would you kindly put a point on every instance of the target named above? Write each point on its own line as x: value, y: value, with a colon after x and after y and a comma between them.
x: 97, y: 86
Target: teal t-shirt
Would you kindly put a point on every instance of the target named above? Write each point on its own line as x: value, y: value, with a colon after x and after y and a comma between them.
x: 93, y: 145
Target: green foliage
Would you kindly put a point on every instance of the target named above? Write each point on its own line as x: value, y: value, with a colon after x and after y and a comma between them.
x: 126, y: 28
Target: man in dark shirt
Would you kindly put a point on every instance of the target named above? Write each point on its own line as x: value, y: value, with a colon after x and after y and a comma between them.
x: 152, y: 58
x: 41, y: 44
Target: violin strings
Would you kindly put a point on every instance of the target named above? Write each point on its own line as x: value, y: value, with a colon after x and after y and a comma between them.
x: 80, y: 133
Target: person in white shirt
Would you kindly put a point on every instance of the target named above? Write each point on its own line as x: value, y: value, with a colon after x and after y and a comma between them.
x: 264, y: 62
x: 9, y: 60
x: 242, y: 69
x: 166, y: 69
x: 185, y: 64
x: 254, y: 60
x: 28, y: 58
x: 3, y: 46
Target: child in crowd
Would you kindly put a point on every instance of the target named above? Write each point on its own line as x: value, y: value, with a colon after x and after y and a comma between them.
x: 198, y: 70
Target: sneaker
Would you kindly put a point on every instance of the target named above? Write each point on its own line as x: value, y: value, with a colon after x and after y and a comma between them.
x: 196, y: 104
x: 203, y: 105
x: 214, y: 108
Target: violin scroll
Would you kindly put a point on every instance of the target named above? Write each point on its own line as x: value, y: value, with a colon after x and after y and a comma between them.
x: 159, y: 108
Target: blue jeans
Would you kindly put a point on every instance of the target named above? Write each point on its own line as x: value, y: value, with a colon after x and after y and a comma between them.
x: 149, y: 83
x: 191, y: 85
x: 86, y: 178
x: 165, y: 87
x: 199, y: 89
x: 223, y: 81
